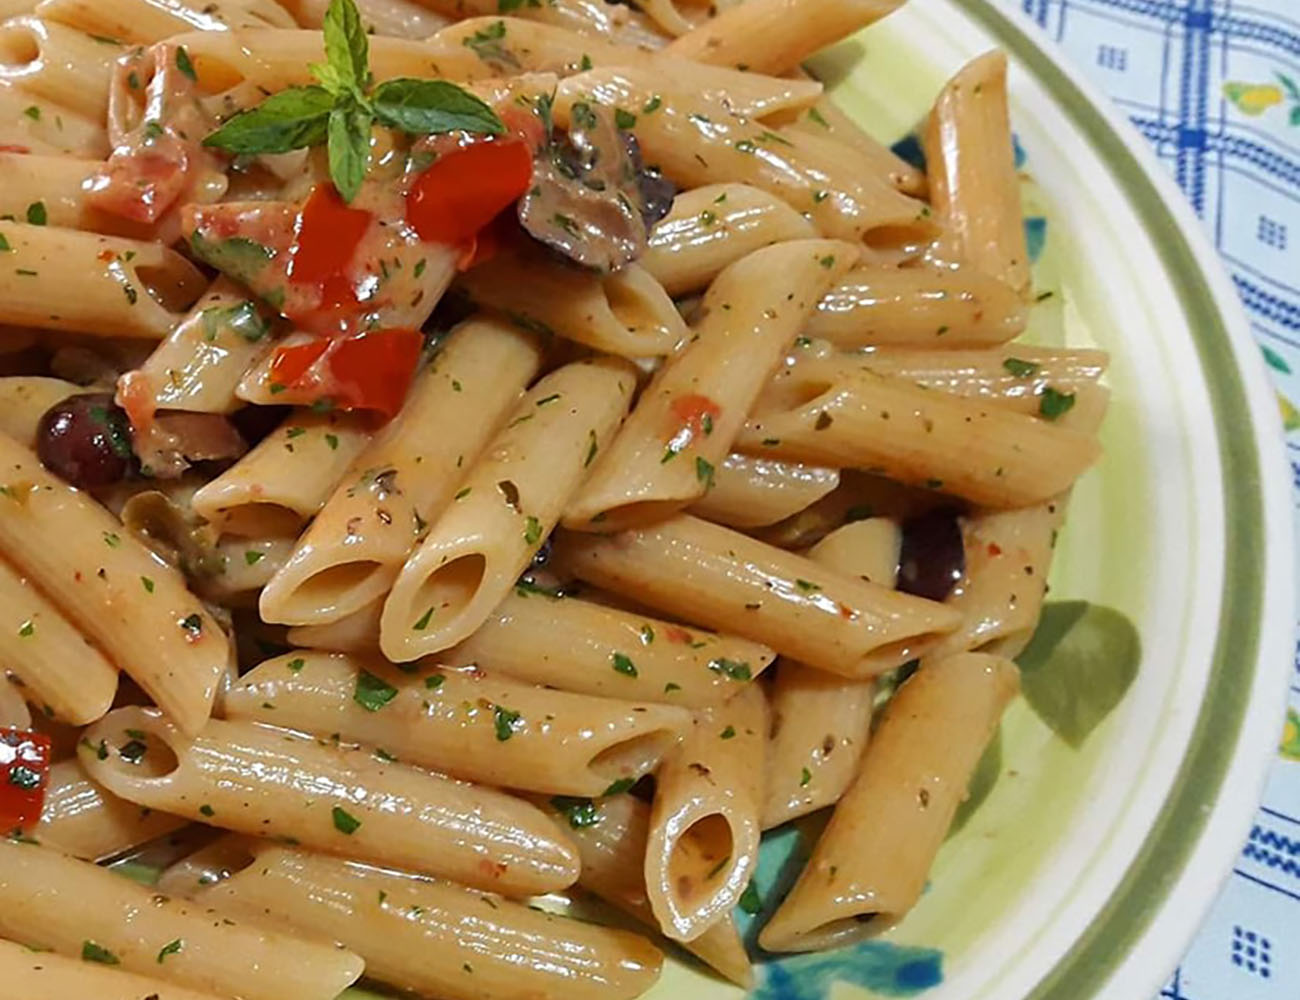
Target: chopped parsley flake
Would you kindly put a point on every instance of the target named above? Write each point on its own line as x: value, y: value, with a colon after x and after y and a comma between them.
x: 147, y: 584
x: 295, y: 665
x: 207, y: 810
x: 735, y: 670
x: 91, y: 952
x: 506, y: 722
x: 1020, y: 368
x: 729, y: 733
x: 750, y: 901
x: 171, y: 947
x: 647, y: 635
x: 423, y: 622
x: 618, y: 787
x: 623, y: 665
x: 805, y: 776
x: 532, y: 530
x: 1054, y: 404
x: 579, y: 812
x: 344, y: 822
x: 807, y: 586
x: 372, y: 693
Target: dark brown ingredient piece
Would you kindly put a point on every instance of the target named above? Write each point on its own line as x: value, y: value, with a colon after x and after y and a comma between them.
x: 932, y: 558
x: 592, y: 199
x: 86, y: 441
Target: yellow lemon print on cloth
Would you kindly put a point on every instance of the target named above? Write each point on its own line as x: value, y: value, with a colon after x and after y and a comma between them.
x: 1252, y: 98
x: 1290, y: 748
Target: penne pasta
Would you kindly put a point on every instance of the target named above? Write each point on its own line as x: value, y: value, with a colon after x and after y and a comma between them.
x: 509, y: 503
x: 870, y: 864
x: 89, y: 822
x: 144, y: 22
x: 269, y: 782
x: 48, y: 900
x: 54, y: 183
x: 124, y: 288
x: 285, y: 481
x: 592, y: 18
x: 45, y: 655
x: 665, y: 455
x: 625, y: 313
x: 702, y: 846
x: 697, y: 141
x: 401, y: 481
x: 943, y: 308
x: 24, y: 400
x: 712, y: 227
x: 752, y: 492
x: 894, y: 427
x: 775, y: 36
x: 42, y: 975
x: 612, y: 847
x: 558, y: 742
x: 820, y: 722
x: 122, y: 597
x: 203, y: 359
x: 828, y: 120
x: 579, y: 646
x: 1000, y: 596
x: 973, y: 183
x: 31, y: 124
x: 439, y: 939
x: 67, y: 67
x: 399, y: 18
x: 723, y: 579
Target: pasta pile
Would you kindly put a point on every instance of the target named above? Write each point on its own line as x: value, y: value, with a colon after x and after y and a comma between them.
x: 454, y: 452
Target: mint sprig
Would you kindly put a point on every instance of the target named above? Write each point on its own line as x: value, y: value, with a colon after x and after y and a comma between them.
x: 340, y: 110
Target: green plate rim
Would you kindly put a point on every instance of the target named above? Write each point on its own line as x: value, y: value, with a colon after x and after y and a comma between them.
x: 1163, y: 855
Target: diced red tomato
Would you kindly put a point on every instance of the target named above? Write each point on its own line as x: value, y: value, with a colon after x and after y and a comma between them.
x: 11, y: 148
x: 135, y: 394
x: 675, y: 633
x: 24, y: 774
x: 691, y: 410
x: 141, y: 184
x: 466, y: 188
x: 367, y: 371
x: 327, y: 234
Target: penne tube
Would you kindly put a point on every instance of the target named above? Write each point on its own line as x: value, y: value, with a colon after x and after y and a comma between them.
x: 1000, y: 596
x: 612, y: 848
x: 509, y: 503
x: 398, y: 18
x: 593, y: 19
x: 776, y: 36
x: 404, y: 477
x: 482, y: 47
x: 434, y: 937
x: 752, y: 492
x: 965, y: 447
x: 123, y: 598
x: 42, y: 975
x: 870, y: 865
x: 74, y: 908
x: 702, y: 847
x: 937, y: 308
x: 557, y: 742
x: 625, y: 313
x: 971, y: 168
x: 66, y: 67
x: 47, y: 657
x: 24, y: 400
x: 31, y: 124
x: 664, y: 456
x: 828, y: 120
x: 284, y: 482
x: 354, y: 633
x: 697, y: 141
x: 123, y: 288
x: 820, y: 722
x: 712, y: 227
x: 269, y: 782
x: 720, y: 578
x: 575, y: 645
x: 89, y: 822
x: 55, y: 182
x: 143, y: 22
x: 203, y: 359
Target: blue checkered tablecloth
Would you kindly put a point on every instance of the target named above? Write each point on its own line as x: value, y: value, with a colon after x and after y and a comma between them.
x: 1215, y: 86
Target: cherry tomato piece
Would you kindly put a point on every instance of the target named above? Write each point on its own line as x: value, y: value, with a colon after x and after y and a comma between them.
x: 466, y: 188
x: 328, y: 232
x: 367, y: 371
x: 24, y: 774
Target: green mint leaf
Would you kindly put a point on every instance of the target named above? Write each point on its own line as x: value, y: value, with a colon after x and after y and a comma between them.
x: 428, y: 107
x: 292, y: 119
x: 349, y: 148
x: 347, y: 49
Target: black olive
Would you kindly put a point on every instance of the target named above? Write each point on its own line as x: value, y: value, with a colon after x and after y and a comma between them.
x: 86, y: 440
x: 256, y: 422
x: 932, y: 558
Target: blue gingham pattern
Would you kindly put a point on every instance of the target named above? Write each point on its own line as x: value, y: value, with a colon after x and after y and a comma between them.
x: 1212, y: 85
